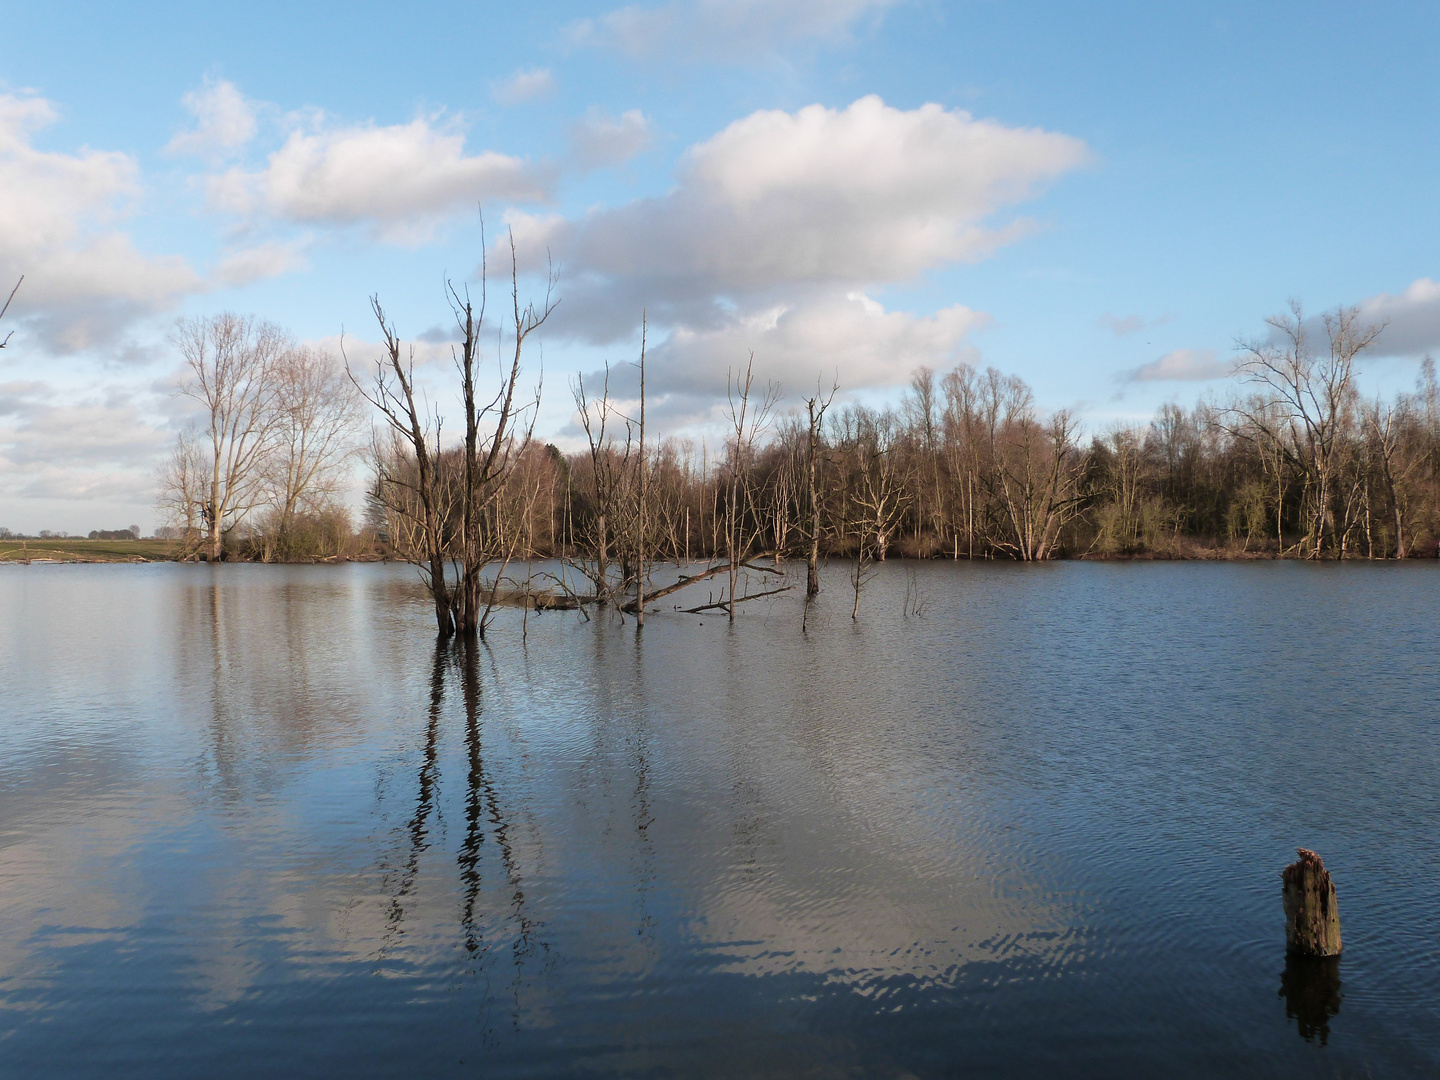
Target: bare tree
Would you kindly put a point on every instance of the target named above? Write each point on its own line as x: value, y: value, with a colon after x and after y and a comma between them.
x: 815, y: 408
x: 233, y: 363
x: 607, y: 470
x: 747, y: 421
x: 407, y: 474
x: 414, y: 477
x: 640, y: 533
x: 182, y: 490
x: 490, y: 453
x: 318, y: 413
x: 1306, y: 402
x: 1386, y: 425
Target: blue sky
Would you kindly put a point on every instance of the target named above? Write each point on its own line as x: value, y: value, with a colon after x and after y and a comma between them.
x: 1099, y: 199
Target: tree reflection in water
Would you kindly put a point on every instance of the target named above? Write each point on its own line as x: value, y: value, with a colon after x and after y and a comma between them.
x: 418, y: 827
x: 483, y: 814
x: 481, y: 785
x: 1311, y: 988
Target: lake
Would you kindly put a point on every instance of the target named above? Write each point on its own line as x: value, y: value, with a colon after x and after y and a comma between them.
x: 253, y: 822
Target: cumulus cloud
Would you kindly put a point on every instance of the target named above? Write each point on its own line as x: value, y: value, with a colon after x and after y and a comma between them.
x: 727, y: 29
x: 1183, y: 365
x: 529, y: 85
x: 780, y: 228
x: 401, y: 180
x: 601, y: 139
x: 845, y: 198
x: 224, y: 120
x: 847, y: 336
x: 863, y: 194
x: 1411, y: 318
x: 84, y: 279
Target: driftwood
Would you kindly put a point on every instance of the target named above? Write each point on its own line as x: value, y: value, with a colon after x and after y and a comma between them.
x: 691, y: 579
x: 1312, y: 916
x: 738, y: 600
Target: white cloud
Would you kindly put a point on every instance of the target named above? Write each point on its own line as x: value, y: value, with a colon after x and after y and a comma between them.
x: 224, y: 120
x: 601, y: 140
x: 1412, y: 319
x: 84, y: 279
x: 257, y: 263
x: 101, y: 447
x: 860, y: 195
x: 729, y: 29
x: 1183, y: 365
x: 529, y: 85
x: 845, y: 335
x: 401, y: 180
x: 778, y: 231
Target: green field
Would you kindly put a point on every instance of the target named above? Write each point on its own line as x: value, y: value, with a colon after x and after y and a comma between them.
x: 80, y: 550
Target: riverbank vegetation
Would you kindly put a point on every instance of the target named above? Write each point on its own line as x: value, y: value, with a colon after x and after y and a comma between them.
x: 1293, y: 463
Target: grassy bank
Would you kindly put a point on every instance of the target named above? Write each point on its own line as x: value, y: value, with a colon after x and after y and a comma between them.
x: 87, y: 551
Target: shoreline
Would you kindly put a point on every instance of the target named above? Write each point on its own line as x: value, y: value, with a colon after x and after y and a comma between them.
x: 144, y: 552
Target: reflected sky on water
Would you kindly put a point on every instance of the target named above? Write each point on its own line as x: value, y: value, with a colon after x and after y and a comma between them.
x: 253, y: 819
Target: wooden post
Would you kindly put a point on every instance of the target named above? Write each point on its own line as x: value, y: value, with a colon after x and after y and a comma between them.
x: 1312, y: 917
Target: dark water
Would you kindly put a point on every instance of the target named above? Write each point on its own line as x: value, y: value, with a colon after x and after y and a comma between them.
x: 253, y: 823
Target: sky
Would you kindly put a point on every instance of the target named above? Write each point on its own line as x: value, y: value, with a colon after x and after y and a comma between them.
x: 1102, y: 199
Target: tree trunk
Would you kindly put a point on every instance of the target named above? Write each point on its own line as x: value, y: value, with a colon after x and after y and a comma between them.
x: 1312, y: 917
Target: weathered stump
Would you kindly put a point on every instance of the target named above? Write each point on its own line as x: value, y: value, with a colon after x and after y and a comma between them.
x: 1312, y: 917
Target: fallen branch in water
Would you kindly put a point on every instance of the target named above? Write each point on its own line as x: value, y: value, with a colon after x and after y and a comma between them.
x: 738, y: 599
x: 691, y: 579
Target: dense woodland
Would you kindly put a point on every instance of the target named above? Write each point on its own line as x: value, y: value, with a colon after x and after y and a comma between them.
x: 1294, y: 463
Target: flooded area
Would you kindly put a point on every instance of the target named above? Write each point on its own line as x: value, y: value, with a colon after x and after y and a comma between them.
x: 254, y: 821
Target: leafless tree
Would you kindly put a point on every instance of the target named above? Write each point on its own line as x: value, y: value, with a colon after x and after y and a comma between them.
x: 232, y: 364
x: 317, y: 415
x: 815, y: 408
x: 182, y: 492
x: 748, y: 421
x: 496, y: 432
x: 607, y: 471
x: 1306, y: 401
x: 408, y: 478
x: 418, y: 481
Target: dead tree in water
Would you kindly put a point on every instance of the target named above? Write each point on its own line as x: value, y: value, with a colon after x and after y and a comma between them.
x: 640, y: 536
x: 494, y: 438
x: 489, y: 457
x: 607, y: 469
x: 410, y: 495
x: 747, y: 422
x: 815, y: 411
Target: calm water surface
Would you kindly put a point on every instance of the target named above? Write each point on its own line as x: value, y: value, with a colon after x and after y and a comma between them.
x: 253, y: 822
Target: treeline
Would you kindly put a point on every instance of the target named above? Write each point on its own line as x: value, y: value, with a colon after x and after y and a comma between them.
x: 966, y: 466
x: 1295, y: 463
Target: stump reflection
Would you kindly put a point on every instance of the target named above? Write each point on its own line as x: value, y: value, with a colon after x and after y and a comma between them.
x: 1311, y: 988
